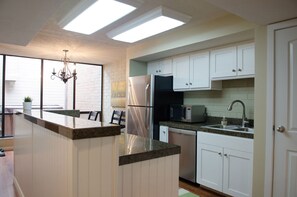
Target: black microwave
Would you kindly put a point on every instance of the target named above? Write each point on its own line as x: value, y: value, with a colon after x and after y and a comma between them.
x: 188, y: 113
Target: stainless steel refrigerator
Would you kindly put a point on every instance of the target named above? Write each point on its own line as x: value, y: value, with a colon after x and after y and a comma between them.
x: 149, y: 99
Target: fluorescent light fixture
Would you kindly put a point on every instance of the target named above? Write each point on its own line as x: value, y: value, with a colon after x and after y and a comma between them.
x: 154, y: 22
x: 92, y: 15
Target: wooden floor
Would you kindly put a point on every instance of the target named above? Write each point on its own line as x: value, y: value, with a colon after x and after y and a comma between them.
x: 196, y: 189
x: 6, y: 176
x: 7, y: 189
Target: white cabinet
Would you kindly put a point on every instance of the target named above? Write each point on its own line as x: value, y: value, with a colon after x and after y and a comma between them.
x: 192, y: 72
x: 225, y: 163
x: 160, y: 67
x: 163, y: 134
x: 233, y: 62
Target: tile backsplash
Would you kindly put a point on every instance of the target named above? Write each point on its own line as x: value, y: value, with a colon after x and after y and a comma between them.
x: 217, y: 102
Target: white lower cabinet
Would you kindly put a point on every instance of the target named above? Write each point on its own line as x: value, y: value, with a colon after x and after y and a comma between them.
x: 225, y: 163
x: 163, y: 134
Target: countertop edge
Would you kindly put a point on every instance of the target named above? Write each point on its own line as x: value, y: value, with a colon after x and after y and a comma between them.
x: 72, y: 133
x: 128, y: 159
x: 198, y: 127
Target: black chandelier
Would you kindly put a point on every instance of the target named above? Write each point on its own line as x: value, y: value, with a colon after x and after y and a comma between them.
x: 64, y: 74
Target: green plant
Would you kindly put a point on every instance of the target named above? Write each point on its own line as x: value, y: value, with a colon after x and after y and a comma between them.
x: 27, y: 99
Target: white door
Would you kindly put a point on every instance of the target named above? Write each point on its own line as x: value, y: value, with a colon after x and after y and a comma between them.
x: 153, y: 68
x: 246, y: 59
x: 163, y: 136
x: 199, y: 70
x: 166, y: 67
x: 181, y: 72
x: 285, y: 147
x: 223, y: 62
x: 238, y: 173
x: 210, y: 166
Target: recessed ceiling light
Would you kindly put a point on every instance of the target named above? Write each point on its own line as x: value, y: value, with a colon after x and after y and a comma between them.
x: 154, y: 22
x: 90, y: 16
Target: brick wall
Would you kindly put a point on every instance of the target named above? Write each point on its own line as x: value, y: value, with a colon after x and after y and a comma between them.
x: 217, y: 102
x: 111, y: 73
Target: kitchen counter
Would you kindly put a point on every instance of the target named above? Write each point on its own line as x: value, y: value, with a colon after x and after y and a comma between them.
x: 70, y: 127
x: 133, y: 149
x: 79, y: 157
x: 211, y: 121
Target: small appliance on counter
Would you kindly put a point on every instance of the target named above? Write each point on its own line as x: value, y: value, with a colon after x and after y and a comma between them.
x: 188, y: 113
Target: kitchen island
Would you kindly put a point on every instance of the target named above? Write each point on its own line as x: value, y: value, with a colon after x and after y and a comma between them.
x: 63, y: 156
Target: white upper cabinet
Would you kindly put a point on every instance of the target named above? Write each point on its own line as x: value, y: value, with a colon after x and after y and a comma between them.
x: 233, y: 62
x: 246, y: 59
x: 181, y: 69
x: 192, y: 72
x: 160, y: 67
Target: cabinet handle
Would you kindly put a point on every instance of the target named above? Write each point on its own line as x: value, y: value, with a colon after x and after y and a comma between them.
x: 225, y: 155
x: 159, y: 71
x: 187, y: 84
x: 220, y: 154
x: 164, y: 132
x: 190, y: 83
x: 239, y: 69
x: 233, y: 70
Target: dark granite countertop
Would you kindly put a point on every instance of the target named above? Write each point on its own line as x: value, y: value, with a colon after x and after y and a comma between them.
x: 211, y: 121
x: 134, y: 148
x: 70, y: 127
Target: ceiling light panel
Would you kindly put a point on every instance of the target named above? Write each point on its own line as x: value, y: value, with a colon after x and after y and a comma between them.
x: 98, y: 15
x: 154, y: 22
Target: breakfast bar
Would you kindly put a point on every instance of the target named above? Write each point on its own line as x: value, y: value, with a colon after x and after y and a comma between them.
x: 64, y: 156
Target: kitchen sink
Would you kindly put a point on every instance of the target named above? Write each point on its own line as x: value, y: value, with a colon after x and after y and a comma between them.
x: 237, y: 128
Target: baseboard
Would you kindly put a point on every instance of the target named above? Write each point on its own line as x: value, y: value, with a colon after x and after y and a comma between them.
x: 17, y: 187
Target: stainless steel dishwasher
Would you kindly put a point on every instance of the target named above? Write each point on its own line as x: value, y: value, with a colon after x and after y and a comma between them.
x: 187, y: 161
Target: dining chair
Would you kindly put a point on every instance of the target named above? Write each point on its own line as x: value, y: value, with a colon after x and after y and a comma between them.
x: 118, y: 117
x: 93, y: 115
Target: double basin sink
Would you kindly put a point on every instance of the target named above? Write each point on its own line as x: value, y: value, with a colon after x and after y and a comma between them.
x: 236, y: 128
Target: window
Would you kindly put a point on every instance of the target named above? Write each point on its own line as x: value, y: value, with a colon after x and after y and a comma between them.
x: 23, y: 78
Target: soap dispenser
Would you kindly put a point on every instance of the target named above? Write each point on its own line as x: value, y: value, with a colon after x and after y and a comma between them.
x: 224, y: 122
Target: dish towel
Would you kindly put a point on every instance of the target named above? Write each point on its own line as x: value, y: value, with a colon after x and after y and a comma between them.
x: 185, y: 193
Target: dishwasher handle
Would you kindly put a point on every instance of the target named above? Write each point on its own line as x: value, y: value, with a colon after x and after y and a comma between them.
x: 182, y: 131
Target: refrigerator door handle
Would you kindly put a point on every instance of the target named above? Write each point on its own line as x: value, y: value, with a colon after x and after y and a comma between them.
x: 145, y: 97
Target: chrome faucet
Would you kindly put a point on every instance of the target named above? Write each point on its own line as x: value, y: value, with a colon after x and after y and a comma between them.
x: 244, y: 119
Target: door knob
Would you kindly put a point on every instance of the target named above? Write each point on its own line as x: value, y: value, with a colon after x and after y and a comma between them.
x: 281, y: 129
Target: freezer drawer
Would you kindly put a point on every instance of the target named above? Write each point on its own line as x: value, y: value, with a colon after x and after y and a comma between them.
x: 186, y: 139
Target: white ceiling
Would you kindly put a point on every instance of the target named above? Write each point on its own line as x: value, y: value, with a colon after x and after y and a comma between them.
x: 30, y: 27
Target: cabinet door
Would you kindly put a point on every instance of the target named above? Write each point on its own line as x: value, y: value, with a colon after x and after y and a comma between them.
x: 246, y: 59
x: 210, y: 166
x: 238, y: 172
x: 163, y: 134
x: 181, y: 72
x: 166, y: 67
x: 153, y: 68
x: 223, y: 62
x: 199, y: 70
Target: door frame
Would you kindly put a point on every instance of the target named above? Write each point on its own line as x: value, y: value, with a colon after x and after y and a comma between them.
x: 269, y: 152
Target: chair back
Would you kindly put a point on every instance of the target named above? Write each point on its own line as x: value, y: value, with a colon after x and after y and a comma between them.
x: 122, y: 122
x: 116, y: 117
x: 93, y: 115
